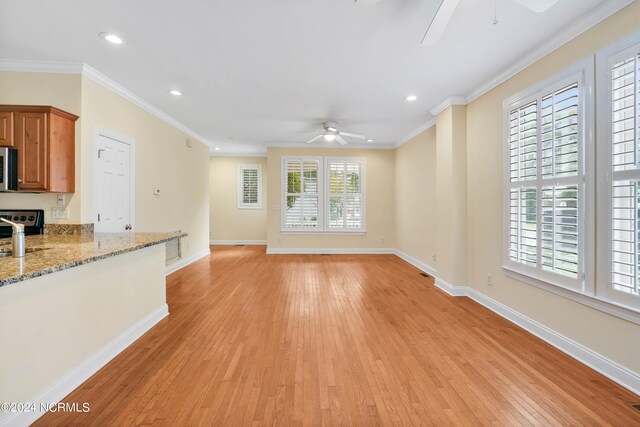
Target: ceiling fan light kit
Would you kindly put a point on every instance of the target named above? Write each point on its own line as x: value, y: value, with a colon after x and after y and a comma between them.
x: 331, y: 133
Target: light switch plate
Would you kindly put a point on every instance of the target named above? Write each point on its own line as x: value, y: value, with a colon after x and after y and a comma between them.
x: 60, y: 213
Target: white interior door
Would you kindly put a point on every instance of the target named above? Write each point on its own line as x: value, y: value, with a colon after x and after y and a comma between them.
x: 113, y: 185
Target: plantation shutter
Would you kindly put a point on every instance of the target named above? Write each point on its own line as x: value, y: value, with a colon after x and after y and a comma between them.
x: 302, y: 194
x: 249, y: 186
x: 559, y: 204
x: 546, y: 183
x: 523, y: 153
x: 624, y: 203
x: 345, y: 194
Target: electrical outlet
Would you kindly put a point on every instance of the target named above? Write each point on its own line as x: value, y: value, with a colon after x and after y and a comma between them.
x: 156, y: 191
x: 61, y: 200
x: 433, y: 257
x: 59, y: 213
x: 382, y: 240
x: 490, y: 279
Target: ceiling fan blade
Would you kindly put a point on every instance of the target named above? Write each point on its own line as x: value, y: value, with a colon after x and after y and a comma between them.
x: 341, y: 140
x: 313, y: 139
x: 352, y: 135
x: 308, y: 131
x: 439, y: 22
x: 537, y: 5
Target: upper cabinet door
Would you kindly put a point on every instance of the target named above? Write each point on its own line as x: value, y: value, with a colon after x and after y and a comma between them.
x: 31, y: 142
x: 6, y: 129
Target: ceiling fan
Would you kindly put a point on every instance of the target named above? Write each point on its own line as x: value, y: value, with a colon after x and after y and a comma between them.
x: 447, y: 7
x: 331, y: 133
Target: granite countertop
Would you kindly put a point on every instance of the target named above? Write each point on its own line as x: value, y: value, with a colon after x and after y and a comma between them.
x: 67, y: 251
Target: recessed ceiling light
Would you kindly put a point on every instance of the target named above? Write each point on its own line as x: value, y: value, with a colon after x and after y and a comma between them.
x: 216, y: 148
x: 175, y: 92
x: 111, y: 38
x: 369, y: 140
x: 411, y: 98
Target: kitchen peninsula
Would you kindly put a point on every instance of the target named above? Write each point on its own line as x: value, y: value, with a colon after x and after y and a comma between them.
x: 72, y: 304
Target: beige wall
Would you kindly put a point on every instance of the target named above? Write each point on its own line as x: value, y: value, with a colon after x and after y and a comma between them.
x: 62, y: 91
x: 607, y: 335
x: 162, y: 157
x: 415, y: 207
x: 379, y: 196
x: 162, y: 160
x: 451, y: 196
x: 228, y: 222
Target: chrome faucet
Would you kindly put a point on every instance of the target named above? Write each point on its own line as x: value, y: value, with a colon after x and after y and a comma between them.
x: 17, y: 240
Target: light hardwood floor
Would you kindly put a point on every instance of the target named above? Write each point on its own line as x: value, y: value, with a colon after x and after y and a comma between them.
x: 338, y: 339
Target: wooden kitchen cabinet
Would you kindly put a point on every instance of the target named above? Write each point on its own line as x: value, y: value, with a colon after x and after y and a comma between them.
x: 6, y: 129
x: 45, y: 140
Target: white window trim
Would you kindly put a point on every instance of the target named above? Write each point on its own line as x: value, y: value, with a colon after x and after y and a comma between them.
x: 618, y: 310
x: 604, y: 58
x: 323, y: 199
x: 581, y: 71
x: 283, y: 196
x: 242, y: 205
x: 363, y: 181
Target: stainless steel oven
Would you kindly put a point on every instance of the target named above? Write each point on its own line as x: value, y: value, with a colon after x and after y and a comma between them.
x: 8, y: 169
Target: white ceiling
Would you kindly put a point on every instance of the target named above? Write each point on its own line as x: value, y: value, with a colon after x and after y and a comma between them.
x: 255, y: 72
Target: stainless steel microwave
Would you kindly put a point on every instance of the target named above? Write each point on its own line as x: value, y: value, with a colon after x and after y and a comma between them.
x: 8, y: 169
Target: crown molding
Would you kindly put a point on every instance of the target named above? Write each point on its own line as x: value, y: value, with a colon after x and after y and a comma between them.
x: 417, y: 131
x: 452, y: 100
x: 104, y: 81
x: 40, y: 67
x: 577, y: 27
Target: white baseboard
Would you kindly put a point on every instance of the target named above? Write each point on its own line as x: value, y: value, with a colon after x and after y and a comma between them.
x: 416, y: 263
x: 86, y: 369
x: 329, y: 251
x: 455, y: 291
x: 172, y: 268
x: 237, y: 242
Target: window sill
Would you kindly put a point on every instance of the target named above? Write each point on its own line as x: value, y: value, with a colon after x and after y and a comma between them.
x: 623, y: 312
x: 250, y: 207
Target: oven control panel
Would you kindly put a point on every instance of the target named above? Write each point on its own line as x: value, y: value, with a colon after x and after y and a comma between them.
x: 32, y: 219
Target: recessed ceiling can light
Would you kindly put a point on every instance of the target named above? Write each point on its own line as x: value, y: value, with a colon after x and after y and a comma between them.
x: 216, y: 148
x: 175, y: 92
x: 111, y: 38
x: 411, y: 98
x: 369, y: 140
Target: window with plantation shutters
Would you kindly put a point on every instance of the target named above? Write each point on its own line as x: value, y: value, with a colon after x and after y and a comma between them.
x: 619, y: 162
x: 345, y: 194
x: 302, y: 200
x: 323, y: 194
x: 545, y: 183
x: 250, y: 186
